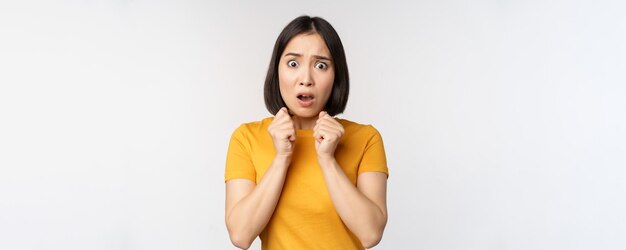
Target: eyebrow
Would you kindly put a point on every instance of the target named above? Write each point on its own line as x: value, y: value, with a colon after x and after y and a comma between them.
x: 314, y: 56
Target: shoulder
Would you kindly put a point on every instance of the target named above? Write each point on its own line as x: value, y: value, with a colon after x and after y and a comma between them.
x: 354, y: 128
x: 255, y: 125
x: 254, y: 128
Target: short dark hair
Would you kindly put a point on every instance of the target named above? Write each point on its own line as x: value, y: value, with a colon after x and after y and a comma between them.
x: 336, y: 103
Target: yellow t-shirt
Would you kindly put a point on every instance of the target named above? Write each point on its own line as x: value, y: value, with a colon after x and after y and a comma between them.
x: 305, y: 217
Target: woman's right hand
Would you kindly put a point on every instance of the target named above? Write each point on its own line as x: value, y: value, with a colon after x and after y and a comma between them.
x: 283, y: 133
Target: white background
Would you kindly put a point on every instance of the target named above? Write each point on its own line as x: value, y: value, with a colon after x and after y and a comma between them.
x: 504, y: 121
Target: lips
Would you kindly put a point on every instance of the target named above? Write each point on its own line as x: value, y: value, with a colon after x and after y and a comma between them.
x: 305, y: 99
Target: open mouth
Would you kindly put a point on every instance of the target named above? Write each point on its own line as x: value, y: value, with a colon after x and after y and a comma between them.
x: 305, y: 97
x: 305, y: 100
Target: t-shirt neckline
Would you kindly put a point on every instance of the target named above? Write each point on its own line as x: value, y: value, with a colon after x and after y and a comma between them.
x: 304, y: 132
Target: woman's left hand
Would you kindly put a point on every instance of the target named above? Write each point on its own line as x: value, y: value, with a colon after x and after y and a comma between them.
x: 327, y: 133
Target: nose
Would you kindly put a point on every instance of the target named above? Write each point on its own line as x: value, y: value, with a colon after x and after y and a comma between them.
x: 307, y: 79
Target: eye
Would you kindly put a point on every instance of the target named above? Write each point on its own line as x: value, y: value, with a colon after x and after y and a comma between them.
x: 321, y: 65
x: 292, y: 63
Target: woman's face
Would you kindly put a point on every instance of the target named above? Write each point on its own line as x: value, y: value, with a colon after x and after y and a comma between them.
x: 306, y: 74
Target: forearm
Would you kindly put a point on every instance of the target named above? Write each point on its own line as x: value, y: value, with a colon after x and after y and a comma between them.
x: 247, y: 219
x: 361, y: 215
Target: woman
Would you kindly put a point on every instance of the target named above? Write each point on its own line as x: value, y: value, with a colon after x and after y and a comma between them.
x: 303, y: 179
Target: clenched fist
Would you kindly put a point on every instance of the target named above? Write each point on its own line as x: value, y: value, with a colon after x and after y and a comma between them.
x: 283, y: 133
x: 327, y: 133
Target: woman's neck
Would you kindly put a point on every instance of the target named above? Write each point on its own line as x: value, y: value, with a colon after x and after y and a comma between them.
x: 304, y: 123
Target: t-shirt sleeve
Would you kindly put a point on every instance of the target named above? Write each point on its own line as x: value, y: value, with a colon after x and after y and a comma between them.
x: 374, y: 158
x: 238, y: 161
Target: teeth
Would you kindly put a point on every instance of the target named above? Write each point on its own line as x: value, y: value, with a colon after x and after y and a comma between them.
x: 304, y: 97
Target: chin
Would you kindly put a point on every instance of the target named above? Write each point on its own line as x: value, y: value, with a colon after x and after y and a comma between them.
x: 307, y: 113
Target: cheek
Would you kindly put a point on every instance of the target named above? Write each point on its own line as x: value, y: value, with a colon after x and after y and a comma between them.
x: 327, y: 84
x: 284, y: 91
x: 283, y: 78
